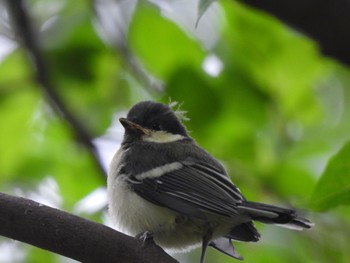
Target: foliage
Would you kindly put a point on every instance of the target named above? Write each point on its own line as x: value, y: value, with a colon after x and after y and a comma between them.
x: 259, y: 96
x: 333, y: 188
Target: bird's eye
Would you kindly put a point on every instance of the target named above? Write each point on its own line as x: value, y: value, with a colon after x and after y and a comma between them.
x: 156, y: 127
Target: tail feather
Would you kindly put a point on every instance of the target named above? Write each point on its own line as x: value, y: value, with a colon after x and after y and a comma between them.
x: 244, y: 232
x: 270, y: 214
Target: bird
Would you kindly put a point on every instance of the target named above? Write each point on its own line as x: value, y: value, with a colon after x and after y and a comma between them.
x: 163, y: 186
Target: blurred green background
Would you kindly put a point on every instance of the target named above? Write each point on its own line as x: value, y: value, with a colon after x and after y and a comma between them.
x: 259, y: 96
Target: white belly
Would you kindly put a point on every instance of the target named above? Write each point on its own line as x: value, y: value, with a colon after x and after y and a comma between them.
x: 133, y: 215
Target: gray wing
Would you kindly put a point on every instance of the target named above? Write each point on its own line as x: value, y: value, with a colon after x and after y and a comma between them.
x: 190, y: 188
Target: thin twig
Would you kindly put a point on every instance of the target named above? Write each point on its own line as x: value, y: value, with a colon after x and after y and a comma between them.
x: 118, y: 40
x: 151, y: 83
x: 28, y: 38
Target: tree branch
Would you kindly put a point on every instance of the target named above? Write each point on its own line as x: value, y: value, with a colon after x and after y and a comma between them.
x: 327, y: 22
x: 28, y: 38
x: 70, y: 235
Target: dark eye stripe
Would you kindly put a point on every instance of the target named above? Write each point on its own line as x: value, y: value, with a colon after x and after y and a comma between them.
x: 156, y: 127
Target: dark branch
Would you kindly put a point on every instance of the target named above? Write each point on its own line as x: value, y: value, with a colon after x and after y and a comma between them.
x: 70, y: 235
x: 327, y: 22
x: 28, y: 38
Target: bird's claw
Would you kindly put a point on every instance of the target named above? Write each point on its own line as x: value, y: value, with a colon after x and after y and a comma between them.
x: 146, y: 237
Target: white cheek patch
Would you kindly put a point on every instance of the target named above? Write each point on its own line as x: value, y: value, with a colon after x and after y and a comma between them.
x: 159, y: 171
x: 162, y: 137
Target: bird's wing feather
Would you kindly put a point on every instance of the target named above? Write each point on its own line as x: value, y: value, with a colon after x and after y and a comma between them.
x: 191, y: 188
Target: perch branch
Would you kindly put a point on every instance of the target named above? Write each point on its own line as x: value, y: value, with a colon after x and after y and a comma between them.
x: 72, y: 236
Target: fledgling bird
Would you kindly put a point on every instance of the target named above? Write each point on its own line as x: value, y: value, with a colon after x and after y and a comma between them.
x: 162, y: 184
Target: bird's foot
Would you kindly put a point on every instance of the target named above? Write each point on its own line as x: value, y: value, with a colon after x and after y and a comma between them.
x: 146, y: 237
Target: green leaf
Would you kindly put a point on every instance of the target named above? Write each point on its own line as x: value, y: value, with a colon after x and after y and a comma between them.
x: 18, y: 102
x: 282, y: 64
x: 184, y: 86
x: 16, y: 113
x: 40, y: 255
x: 51, y: 151
x: 86, y: 74
x: 160, y: 44
x: 333, y: 188
x: 14, y: 69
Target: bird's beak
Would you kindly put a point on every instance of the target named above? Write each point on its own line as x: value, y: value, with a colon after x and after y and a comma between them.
x: 131, y: 126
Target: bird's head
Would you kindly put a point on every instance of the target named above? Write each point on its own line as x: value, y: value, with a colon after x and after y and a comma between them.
x: 154, y: 122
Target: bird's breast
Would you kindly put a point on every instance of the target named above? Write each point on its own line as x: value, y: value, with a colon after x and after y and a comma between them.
x: 129, y: 212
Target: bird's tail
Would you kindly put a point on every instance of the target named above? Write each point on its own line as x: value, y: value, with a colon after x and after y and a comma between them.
x: 270, y: 214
